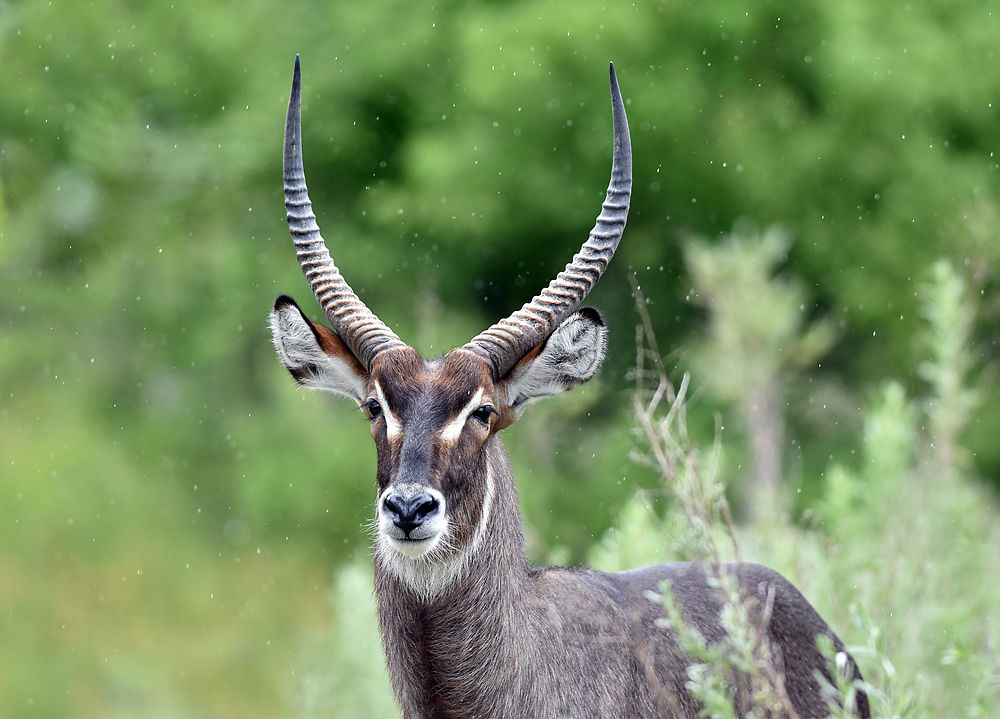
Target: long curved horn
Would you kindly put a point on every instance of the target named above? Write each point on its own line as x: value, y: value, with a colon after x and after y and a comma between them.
x: 364, y: 333
x: 506, y: 342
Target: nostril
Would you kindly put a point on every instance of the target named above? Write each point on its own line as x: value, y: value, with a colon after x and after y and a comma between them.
x: 408, y: 513
x: 423, y: 505
x: 394, y: 503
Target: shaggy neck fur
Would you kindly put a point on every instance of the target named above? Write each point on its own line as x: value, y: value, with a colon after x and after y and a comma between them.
x: 449, y: 653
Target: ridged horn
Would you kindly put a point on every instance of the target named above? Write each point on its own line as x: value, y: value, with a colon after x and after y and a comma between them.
x: 365, y: 334
x: 506, y: 342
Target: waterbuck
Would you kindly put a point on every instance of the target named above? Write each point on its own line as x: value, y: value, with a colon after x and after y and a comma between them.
x: 468, y: 628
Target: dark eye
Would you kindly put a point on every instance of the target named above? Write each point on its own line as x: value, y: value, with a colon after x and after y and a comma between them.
x: 483, y: 413
x: 372, y: 409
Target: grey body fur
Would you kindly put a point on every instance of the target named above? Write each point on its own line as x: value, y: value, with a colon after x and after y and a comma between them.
x: 507, y: 640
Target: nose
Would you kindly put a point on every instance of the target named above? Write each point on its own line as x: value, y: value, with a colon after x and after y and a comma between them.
x: 408, y: 513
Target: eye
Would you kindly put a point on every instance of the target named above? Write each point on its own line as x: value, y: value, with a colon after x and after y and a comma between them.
x: 483, y: 413
x: 372, y: 409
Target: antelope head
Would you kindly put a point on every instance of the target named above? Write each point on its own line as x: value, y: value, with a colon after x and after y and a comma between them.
x: 435, y: 422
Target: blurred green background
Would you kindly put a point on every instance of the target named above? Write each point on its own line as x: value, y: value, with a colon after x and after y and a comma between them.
x: 183, y: 532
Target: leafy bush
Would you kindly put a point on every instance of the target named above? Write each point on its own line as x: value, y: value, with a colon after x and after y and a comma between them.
x: 899, y: 556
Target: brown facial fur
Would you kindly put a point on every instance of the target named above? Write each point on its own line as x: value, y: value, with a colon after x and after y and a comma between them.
x: 425, y: 396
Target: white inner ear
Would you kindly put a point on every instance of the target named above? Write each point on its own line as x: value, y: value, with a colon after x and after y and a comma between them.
x: 571, y: 355
x: 305, y: 359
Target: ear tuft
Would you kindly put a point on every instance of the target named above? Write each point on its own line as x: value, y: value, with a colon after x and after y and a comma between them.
x: 571, y: 355
x: 314, y: 355
x: 592, y: 314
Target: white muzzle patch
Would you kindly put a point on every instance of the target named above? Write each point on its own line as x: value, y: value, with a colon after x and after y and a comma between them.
x: 421, y: 540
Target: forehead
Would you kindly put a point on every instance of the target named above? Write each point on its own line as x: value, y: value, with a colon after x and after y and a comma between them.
x: 408, y: 380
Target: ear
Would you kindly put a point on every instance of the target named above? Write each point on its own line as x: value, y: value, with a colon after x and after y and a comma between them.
x: 314, y: 355
x: 571, y: 355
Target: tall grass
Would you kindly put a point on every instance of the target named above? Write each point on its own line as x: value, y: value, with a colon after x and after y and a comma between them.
x: 900, y: 555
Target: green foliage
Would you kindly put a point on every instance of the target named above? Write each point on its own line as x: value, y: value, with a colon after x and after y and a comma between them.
x: 755, y: 346
x: 355, y: 685
x: 841, y: 693
x: 899, y: 557
x: 755, y: 323
x: 457, y: 153
x: 949, y: 318
x: 894, y: 699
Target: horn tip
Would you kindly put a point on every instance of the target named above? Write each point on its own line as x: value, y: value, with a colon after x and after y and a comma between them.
x: 616, y: 93
x: 293, y: 119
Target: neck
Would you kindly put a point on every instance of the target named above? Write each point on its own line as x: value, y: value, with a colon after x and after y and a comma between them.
x: 450, y: 629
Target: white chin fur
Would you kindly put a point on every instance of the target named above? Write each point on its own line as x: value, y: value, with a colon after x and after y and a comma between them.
x: 430, y: 566
x: 423, y: 567
x: 413, y: 549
